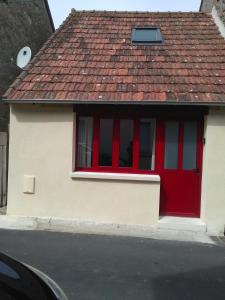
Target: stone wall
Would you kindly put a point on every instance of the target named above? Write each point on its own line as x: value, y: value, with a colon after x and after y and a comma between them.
x: 23, y: 23
x: 220, y: 6
x: 207, y: 5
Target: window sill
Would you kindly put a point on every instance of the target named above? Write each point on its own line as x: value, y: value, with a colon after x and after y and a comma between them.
x: 115, y: 176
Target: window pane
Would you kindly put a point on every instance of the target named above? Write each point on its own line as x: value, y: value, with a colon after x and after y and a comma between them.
x: 190, y: 145
x: 171, y: 145
x: 126, y: 143
x: 85, y: 136
x: 106, y: 138
x: 147, y: 134
x: 146, y: 35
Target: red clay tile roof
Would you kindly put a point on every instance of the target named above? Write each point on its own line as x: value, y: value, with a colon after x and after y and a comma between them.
x: 91, y: 59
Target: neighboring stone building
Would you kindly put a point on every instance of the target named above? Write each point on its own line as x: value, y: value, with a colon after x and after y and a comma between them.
x: 22, y: 23
x: 220, y: 6
x: 207, y: 5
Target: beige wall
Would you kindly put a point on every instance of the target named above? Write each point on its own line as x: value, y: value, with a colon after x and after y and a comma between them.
x: 41, y: 144
x: 213, y: 179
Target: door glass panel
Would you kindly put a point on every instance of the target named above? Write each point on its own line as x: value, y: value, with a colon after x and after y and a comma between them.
x: 147, y: 136
x: 171, y: 145
x: 85, y: 136
x: 126, y: 143
x: 190, y: 145
x: 106, y: 138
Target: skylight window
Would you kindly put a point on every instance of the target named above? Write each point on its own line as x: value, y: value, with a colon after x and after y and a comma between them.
x: 147, y: 35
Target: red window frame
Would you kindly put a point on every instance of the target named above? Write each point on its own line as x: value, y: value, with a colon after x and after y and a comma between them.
x: 115, y: 168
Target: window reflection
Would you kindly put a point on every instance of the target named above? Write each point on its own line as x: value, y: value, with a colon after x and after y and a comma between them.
x: 85, y: 136
x: 171, y: 145
x: 126, y: 143
x: 147, y: 134
x: 106, y: 138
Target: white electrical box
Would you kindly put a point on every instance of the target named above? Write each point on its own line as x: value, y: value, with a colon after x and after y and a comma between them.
x: 29, y: 184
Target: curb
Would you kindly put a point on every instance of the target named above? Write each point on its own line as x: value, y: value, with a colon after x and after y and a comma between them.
x: 88, y: 227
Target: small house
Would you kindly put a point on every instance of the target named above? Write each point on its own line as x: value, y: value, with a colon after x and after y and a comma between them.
x: 120, y: 119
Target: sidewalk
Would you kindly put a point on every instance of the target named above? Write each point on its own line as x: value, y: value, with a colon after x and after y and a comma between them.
x: 87, y: 227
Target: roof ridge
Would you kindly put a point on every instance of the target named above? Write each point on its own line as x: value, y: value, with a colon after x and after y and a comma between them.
x: 35, y: 58
x: 74, y: 11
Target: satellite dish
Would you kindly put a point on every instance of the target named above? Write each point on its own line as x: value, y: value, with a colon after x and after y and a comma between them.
x: 23, y: 57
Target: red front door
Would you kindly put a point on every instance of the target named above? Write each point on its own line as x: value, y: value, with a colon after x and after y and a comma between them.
x: 180, y: 167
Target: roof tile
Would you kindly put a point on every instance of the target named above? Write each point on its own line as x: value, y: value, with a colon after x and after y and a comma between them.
x: 91, y: 58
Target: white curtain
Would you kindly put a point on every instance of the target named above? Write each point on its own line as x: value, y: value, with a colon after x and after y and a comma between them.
x: 85, y: 136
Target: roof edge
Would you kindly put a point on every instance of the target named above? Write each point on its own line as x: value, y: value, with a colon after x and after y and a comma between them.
x: 115, y: 102
x: 73, y: 10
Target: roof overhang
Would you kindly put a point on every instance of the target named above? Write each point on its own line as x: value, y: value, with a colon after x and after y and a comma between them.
x: 114, y: 102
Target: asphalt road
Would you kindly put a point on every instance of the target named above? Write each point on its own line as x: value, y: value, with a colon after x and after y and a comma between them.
x: 99, y: 267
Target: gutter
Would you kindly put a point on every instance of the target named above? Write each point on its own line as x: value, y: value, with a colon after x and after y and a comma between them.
x: 115, y: 102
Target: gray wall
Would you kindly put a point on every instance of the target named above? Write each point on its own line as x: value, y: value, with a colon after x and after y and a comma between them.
x: 22, y: 23
x: 206, y: 6
x: 220, y: 5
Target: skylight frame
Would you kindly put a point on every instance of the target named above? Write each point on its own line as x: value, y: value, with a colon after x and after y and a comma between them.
x: 135, y: 41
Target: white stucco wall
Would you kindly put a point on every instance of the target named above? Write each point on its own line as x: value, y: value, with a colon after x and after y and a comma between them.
x: 213, y: 179
x: 41, y: 145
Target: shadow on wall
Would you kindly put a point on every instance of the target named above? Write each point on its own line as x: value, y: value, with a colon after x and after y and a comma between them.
x: 42, y: 113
